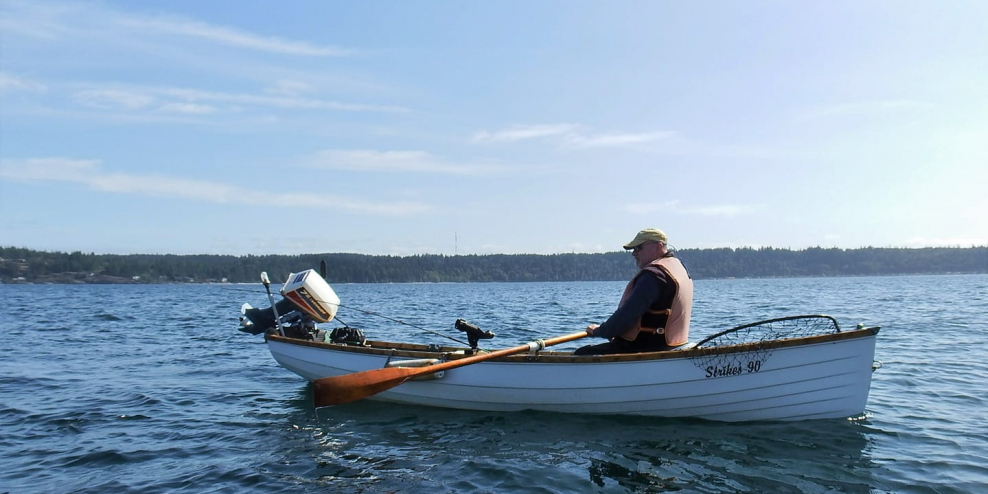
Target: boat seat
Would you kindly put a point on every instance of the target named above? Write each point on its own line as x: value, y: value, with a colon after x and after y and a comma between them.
x: 686, y: 346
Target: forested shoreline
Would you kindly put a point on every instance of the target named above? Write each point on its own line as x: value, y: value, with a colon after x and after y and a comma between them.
x: 20, y: 265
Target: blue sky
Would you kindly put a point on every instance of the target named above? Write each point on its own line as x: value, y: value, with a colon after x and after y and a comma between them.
x: 447, y: 127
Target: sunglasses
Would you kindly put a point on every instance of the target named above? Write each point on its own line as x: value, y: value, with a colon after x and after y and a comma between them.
x: 640, y: 247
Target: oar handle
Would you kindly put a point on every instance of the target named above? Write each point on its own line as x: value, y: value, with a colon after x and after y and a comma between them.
x: 532, y: 346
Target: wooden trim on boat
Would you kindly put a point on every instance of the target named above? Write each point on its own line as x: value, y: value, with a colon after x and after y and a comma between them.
x: 412, y: 350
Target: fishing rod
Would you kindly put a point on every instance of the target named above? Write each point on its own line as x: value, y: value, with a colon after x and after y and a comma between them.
x: 399, y: 321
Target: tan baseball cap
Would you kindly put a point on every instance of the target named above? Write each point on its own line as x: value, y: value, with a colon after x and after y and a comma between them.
x: 647, y: 235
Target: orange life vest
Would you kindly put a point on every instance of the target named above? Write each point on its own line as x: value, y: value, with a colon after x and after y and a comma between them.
x: 677, y: 327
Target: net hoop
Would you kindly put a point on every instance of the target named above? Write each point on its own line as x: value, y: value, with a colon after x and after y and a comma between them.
x: 755, y: 343
x: 791, y: 327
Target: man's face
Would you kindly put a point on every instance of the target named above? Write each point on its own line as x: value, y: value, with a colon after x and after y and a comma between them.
x: 646, y: 253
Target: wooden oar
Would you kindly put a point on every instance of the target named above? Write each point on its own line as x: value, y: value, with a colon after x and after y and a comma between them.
x: 330, y: 391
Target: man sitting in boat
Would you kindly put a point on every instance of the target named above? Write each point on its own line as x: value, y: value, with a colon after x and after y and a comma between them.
x: 654, y: 312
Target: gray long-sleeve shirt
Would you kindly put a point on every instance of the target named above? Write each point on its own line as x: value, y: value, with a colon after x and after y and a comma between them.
x: 648, y: 289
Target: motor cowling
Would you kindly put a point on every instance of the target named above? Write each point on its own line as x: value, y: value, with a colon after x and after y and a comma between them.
x: 312, y: 295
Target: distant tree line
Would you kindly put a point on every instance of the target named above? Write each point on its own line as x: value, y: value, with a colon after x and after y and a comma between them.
x: 26, y: 265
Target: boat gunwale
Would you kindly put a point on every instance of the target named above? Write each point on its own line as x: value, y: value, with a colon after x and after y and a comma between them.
x: 414, y: 350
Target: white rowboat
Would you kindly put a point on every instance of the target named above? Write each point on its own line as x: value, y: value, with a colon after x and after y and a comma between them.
x: 815, y: 377
x: 792, y: 368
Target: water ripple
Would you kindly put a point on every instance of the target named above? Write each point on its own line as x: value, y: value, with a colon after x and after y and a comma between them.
x: 151, y: 389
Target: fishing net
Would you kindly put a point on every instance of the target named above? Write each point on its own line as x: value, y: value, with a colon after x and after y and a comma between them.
x: 753, y: 340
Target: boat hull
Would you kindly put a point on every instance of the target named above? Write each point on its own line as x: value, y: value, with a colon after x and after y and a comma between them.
x: 815, y: 377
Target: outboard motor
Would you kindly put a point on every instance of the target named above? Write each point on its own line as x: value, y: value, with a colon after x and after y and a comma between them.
x: 254, y: 320
x: 308, y: 299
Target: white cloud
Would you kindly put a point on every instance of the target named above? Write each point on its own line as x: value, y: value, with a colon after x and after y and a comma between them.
x: 184, y: 100
x: 722, y: 210
x: 392, y: 161
x: 727, y: 210
x: 864, y: 108
x: 523, y: 132
x: 227, y: 36
x: 113, y: 99
x: 290, y: 102
x: 289, y: 88
x: 64, y: 20
x: 570, y: 135
x: 88, y: 173
x: 187, y: 108
x: 9, y: 83
x: 37, y: 20
x: 616, y: 139
x: 651, y: 207
x: 41, y: 169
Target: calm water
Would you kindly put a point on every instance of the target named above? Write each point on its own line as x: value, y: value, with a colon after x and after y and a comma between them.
x: 152, y: 389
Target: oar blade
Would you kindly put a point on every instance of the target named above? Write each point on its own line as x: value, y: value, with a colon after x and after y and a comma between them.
x: 338, y: 390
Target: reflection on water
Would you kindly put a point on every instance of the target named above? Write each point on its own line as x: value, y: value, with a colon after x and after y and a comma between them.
x: 479, y: 450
